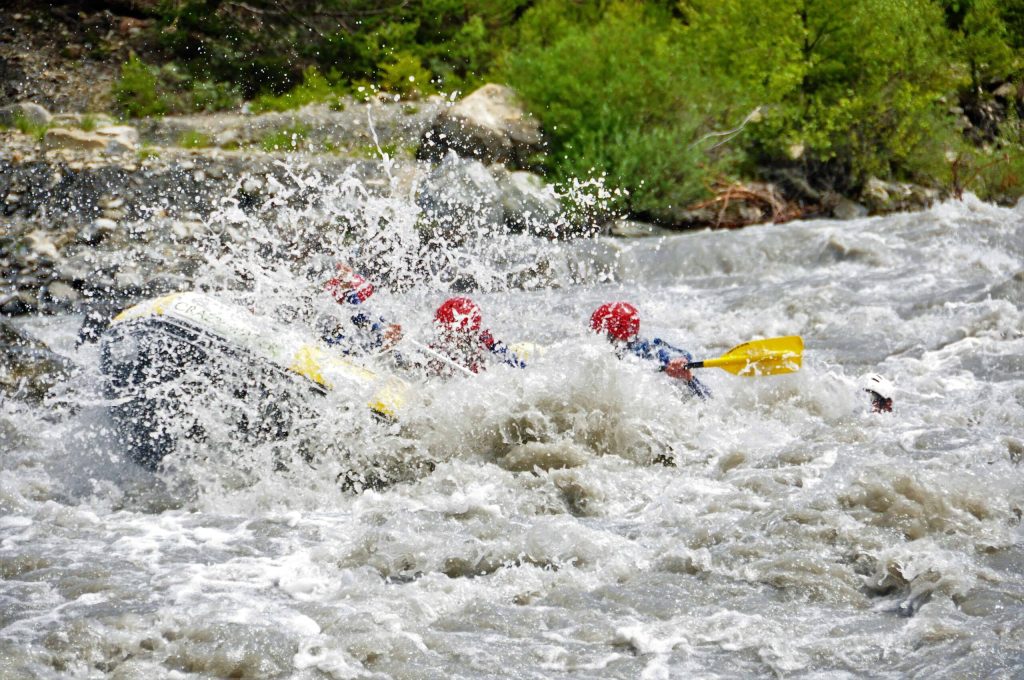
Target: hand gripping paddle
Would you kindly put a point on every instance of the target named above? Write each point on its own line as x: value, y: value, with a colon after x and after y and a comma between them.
x: 772, y: 356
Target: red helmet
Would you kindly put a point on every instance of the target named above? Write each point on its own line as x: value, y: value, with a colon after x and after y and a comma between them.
x: 618, y: 319
x: 459, y: 314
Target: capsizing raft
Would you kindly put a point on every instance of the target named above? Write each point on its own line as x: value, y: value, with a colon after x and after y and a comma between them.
x: 169, y: 361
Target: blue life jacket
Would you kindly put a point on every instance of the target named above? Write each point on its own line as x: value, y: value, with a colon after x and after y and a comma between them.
x: 658, y: 350
x: 368, y: 335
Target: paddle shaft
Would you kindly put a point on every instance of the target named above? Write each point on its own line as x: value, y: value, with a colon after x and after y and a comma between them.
x: 440, y: 357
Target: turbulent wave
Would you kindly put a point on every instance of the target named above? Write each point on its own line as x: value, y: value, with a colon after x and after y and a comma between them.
x: 581, y: 517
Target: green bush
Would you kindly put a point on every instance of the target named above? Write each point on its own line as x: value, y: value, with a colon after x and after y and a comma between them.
x: 620, y: 99
x: 854, y: 85
x: 144, y: 90
x: 137, y: 91
x: 315, y: 88
x: 404, y: 75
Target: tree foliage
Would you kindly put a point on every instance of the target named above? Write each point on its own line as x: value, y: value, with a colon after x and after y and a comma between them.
x: 640, y: 94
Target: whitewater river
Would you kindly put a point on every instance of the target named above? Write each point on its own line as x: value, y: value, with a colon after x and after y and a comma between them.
x: 797, y: 534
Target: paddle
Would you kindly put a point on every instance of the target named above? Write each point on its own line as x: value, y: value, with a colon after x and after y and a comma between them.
x: 771, y: 356
x: 440, y: 357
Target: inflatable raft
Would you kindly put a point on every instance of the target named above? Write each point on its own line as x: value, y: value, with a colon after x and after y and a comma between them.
x: 167, y: 359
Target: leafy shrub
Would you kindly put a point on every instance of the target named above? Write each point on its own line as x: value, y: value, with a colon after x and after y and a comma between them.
x: 619, y: 99
x: 404, y: 75
x: 314, y: 88
x: 856, y: 85
x: 137, y: 91
x: 144, y: 90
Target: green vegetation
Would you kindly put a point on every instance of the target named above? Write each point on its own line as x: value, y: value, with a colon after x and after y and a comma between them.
x: 843, y: 91
x: 145, y: 90
x: 288, y: 138
x: 147, y: 151
x: 194, y: 139
x: 25, y: 126
x: 656, y: 100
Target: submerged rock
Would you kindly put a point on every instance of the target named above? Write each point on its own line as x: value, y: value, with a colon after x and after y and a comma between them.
x: 531, y: 205
x: 634, y: 229
x: 29, y: 369
x: 462, y: 198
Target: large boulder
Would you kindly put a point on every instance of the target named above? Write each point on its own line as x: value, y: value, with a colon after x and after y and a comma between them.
x: 490, y: 124
x: 461, y: 198
x: 28, y: 369
x: 530, y: 204
x: 33, y: 114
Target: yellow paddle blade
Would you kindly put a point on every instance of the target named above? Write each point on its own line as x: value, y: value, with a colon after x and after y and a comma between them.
x: 772, y: 356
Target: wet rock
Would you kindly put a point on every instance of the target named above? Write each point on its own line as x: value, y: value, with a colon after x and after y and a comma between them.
x: 886, y: 197
x: 28, y: 369
x: 33, y: 114
x: 843, y: 208
x: 61, y: 294
x: 530, y: 204
x: 490, y: 124
x: 69, y: 138
x: 18, y: 303
x: 41, y: 246
x: 634, y: 229
x: 116, y: 139
x: 461, y: 197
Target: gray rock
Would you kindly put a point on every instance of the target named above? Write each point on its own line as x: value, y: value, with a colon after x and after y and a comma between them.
x: 61, y: 294
x: 886, y: 197
x: 462, y: 198
x: 70, y: 138
x: 843, y: 208
x: 18, y: 303
x: 114, y: 139
x: 635, y: 229
x: 530, y: 204
x: 42, y: 247
x: 31, y: 113
x: 490, y: 124
x: 28, y: 369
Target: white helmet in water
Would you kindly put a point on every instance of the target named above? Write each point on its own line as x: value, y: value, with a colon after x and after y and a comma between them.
x: 881, y: 391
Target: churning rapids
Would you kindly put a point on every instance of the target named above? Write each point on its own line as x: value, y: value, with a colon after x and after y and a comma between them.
x: 532, y: 530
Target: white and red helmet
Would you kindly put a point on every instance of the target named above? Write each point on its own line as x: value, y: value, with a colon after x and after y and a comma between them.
x: 619, y: 320
x: 459, y: 314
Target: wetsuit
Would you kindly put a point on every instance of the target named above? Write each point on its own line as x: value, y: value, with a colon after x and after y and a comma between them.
x: 367, y: 333
x: 658, y: 350
x: 472, y: 350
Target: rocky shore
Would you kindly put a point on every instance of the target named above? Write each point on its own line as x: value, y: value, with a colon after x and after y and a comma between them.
x: 98, y: 213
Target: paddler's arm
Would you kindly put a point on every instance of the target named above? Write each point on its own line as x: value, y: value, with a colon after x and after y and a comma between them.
x: 501, y: 350
x: 673, y: 362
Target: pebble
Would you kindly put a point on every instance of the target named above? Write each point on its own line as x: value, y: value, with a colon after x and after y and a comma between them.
x: 41, y: 244
x: 60, y: 292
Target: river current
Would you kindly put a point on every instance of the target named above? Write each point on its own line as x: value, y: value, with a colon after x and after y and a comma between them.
x: 582, y: 518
